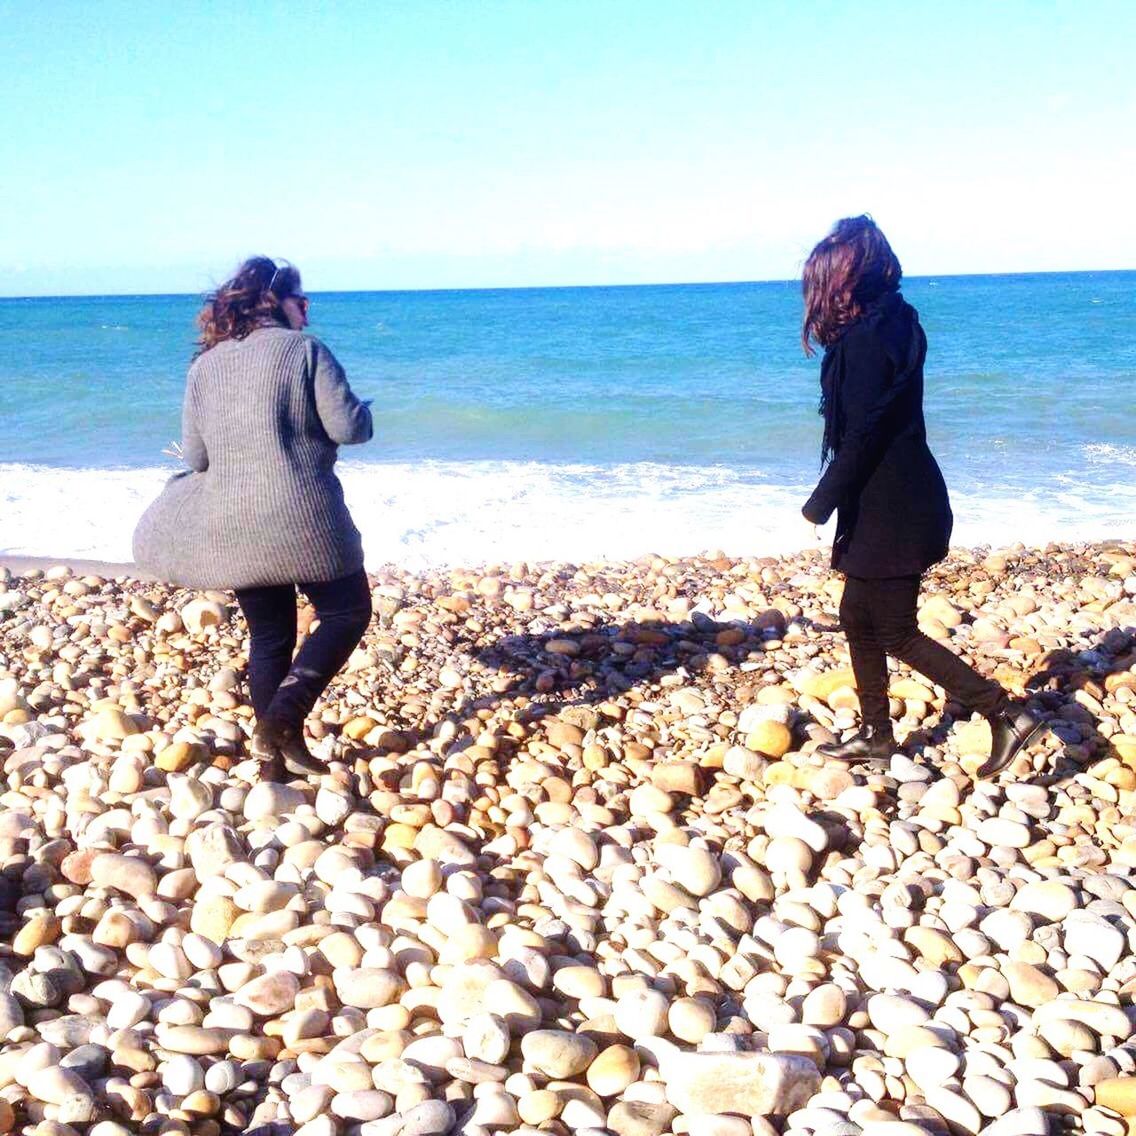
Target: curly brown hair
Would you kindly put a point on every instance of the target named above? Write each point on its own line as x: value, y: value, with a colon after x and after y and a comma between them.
x: 850, y: 268
x: 249, y: 299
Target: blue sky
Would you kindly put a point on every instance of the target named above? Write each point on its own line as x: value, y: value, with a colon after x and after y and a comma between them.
x: 474, y: 143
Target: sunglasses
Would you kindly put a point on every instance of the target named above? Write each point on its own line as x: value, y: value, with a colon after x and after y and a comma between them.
x: 299, y: 297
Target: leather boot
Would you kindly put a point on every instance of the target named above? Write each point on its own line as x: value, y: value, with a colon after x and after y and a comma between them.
x: 1011, y: 731
x: 276, y: 744
x: 869, y: 743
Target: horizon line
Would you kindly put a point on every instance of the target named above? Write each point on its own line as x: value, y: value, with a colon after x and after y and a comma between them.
x: 929, y: 276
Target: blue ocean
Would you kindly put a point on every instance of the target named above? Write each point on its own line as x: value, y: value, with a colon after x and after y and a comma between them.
x: 589, y: 423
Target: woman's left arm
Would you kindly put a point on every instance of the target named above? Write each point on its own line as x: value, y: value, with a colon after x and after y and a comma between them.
x: 866, y: 394
x: 346, y: 419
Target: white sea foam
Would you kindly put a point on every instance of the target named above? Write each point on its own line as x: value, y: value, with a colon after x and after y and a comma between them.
x: 1106, y: 454
x: 430, y: 513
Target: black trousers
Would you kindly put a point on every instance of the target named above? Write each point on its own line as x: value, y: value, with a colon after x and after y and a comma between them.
x: 285, y: 689
x: 878, y: 616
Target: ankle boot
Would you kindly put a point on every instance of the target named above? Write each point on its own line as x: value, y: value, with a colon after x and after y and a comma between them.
x: 277, y: 743
x: 869, y: 743
x: 1010, y: 731
x: 269, y: 763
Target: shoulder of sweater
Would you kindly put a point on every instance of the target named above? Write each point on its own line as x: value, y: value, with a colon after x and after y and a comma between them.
x: 314, y: 348
x: 265, y: 344
x: 278, y: 343
x: 278, y: 333
x: 313, y: 343
x: 256, y: 340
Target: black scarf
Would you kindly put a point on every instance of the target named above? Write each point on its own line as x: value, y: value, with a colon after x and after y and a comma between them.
x: 831, y: 407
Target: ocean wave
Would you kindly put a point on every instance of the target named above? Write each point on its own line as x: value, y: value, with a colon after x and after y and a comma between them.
x: 428, y: 513
x: 1107, y: 453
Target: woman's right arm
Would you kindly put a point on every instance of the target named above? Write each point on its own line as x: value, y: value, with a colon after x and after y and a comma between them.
x: 346, y: 419
x: 193, y: 450
x: 866, y: 395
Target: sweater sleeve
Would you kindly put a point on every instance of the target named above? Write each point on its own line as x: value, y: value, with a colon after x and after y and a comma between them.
x: 346, y: 419
x: 193, y: 450
x: 866, y: 395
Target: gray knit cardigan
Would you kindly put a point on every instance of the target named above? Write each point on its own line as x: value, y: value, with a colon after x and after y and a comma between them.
x: 260, y: 504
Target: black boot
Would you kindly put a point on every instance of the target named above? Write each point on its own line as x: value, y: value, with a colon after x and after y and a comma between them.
x: 277, y: 744
x: 870, y: 743
x: 1010, y: 731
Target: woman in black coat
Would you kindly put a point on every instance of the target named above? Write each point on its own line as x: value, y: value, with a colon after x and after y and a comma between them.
x: 893, y: 514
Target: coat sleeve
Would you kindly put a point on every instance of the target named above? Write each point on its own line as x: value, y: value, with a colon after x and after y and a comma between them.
x: 193, y: 450
x: 866, y: 395
x: 346, y: 419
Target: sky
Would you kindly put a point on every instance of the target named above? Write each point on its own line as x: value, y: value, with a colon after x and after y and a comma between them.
x: 504, y: 143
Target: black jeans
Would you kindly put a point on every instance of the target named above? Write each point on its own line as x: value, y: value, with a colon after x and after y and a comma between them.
x: 285, y: 690
x: 878, y: 616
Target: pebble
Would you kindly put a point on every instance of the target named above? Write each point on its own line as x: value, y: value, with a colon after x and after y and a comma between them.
x: 558, y: 1053
x: 269, y: 994
x: 640, y: 1118
x: 932, y: 1066
x: 1094, y: 938
x: 1020, y: 1122
x: 642, y: 1014
x: 960, y: 1114
x: 11, y: 1015
x: 362, y: 1105
x: 1050, y: 900
x: 694, y: 869
x: 56, y: 1085
x: 128, y: 874
x: 752, y: 1084
x: 691, y: 1019
x: 486, y: 1038
x: 889, y: 1012
x: 1117, y: 1093
x: 183, y: 1075
x: 267, y: 800
x: 612, y: 1070
x: 1029, y: 985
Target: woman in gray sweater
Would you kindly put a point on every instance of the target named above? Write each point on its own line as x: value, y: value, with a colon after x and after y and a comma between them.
x: 260, y: 509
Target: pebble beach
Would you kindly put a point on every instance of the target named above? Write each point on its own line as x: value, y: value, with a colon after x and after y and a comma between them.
x: 574, y: 866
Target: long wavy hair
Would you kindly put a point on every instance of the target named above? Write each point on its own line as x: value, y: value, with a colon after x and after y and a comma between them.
x: 252, y: 297
x: 849, y: 269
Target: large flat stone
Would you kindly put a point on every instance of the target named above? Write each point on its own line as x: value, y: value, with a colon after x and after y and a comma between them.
x: 749, y: 1084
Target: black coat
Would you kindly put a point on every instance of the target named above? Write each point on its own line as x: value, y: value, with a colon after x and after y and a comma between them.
x: 894, y: 516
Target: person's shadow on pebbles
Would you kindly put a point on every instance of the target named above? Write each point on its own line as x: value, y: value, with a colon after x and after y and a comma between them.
x: 1068, y: 688
x: 572, y: 673
x: 1071, y: 687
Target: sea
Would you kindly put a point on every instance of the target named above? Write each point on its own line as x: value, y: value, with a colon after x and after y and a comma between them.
x: 590, y: 423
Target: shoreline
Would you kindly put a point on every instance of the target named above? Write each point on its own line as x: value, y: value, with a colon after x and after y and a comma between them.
x: 574, y: 863
x: 113, y: 570
x: 23, y: 564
